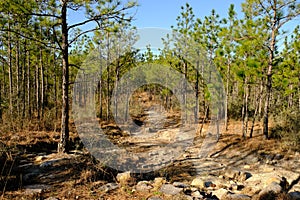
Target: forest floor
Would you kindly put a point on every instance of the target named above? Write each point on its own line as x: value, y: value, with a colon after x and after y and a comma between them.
x: 32, y: 169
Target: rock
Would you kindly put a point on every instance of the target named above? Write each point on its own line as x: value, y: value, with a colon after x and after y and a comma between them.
x: 40, y: 158
x: 158, y: 182
x: 143, y: 186
x: 294, y: 195
x: 187, y: 197
x: 196, y: 194
x: 236, y: 186
x: 35, y: 189
x: 180, y: 185
x: 170, y: 189
x: 247, y: 167
x: 234, y: 174
x: 244, y: 176
x: 220, y: 193
x: 231, y: 173
x: 108, y: 187
x: 154, y: 198
x: 198, y: 182
x: 270, y: 191
x: 278, y: 157
x: 124, y: 178
x: 237, y: 197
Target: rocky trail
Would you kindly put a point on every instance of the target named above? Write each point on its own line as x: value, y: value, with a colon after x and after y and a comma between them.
x: 234, y: 168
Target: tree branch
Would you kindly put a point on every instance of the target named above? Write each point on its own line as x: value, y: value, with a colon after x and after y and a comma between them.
x: 29, y: 38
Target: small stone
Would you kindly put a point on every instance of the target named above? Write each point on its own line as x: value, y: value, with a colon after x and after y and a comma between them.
x: 35, y: 189
x: 170, y: 189
x: 158, y: 182
x: 180, y: 185
x: 155, y: 198
x: 196, y: 194
x: 278, y: 157
x: 39, y: 158
x: 238, y: 197
x: 244, y: 176
x: 220, y: 193
x: 231, y: 173
x: 124, y: 178
x: 237, y: 187
x: 143, y: 186
x: 247, y: 167
x: 108, y: 187
x: 198, y: 182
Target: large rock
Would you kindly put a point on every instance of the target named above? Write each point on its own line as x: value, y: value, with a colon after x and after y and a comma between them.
x: 257, y: 182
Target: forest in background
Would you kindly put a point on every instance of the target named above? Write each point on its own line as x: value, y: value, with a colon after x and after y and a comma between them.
x: 41, y: 54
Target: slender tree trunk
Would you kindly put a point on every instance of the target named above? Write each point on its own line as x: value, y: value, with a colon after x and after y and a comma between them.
x: 245, y: 108
x: 227, y: 95
x: 37, y: 90
x: 9, y: 51
x: 28, y: 86
x: 260, y: 99
x: 24, y: 83
x: 64, y: 137
x: 116, y: 86
x: 256, y: 103
x: 197, y: 95
x: 185, y: 90
x: 18, y: 76
x: 108, y: 76
x: 42, y: 77
x: 269, y: 81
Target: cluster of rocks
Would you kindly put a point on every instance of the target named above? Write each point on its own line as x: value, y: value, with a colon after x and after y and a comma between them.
x: 234, y: 184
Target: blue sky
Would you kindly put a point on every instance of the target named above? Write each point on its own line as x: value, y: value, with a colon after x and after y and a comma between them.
x: 163, y: 13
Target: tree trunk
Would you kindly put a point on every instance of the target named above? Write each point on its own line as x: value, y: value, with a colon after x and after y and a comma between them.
x: 28, y: 86
x: 42, y: 95
x: 227, y: 95
x: 269, y: 81
x: 9, y: 51
x: 108, y: 75
x: 37, y: 90
x: 197, y: 94
x: 64, y: 137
